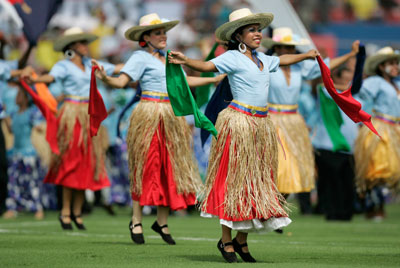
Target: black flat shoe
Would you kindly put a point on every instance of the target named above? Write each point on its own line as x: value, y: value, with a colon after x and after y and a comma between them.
x: 228, y: 256
x: 279, y: 231
x: 166, y: 237
x: 65, y: 226
x: 136, y: 238
x: 79, y: 225
x: 246, y: 257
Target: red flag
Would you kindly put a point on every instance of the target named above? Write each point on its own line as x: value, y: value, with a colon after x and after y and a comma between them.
x: 345, y: 101
x: 97, y: 109
x: 52, y: 122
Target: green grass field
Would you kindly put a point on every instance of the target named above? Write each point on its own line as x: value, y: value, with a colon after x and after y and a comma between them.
x: 309, y: 241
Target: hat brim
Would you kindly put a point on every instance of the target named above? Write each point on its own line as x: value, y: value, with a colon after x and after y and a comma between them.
x: 64, y: 41
x: 135, y: 32
x: 372, y: 62
x: 269, y: 43
x: 225, y: 31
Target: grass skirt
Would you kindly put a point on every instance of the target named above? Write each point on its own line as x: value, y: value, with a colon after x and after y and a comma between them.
x: 240, y: 187
x: 377, y: 161
x: 80, y: 164
x: 296, y: 164
x: 160, y: 154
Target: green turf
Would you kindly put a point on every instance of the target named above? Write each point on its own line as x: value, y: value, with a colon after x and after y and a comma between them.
x: 308, y: 242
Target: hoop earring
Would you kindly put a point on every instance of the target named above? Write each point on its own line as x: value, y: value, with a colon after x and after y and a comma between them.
x: 69, y: 54
x: 241, y: 49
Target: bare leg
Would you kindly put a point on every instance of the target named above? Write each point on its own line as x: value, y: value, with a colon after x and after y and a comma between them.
x: 227, y: 237
x: 137, y: 217
x: 79, y: 198
x: 162, y: 217
x: 241, y: 238
x: 66, y: 208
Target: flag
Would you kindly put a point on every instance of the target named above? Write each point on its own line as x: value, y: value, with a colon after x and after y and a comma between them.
x: 346, y: 102
x: 52, y: 122
x: 35, y: 15
x: 181, y: 98
x: 221, y: 98
x: 97, y: 110
x: 45, y: 95
x: 135, y: 99
x: 203, y: 92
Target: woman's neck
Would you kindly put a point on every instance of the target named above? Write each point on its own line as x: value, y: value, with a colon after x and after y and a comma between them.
x: 77, y: 60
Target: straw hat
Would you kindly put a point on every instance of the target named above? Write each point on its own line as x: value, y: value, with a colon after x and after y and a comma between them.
x: 382, y: 55
x: 72, y: 35
x: 147, y: 23
x: 239, y: 18
x: 284, y: 36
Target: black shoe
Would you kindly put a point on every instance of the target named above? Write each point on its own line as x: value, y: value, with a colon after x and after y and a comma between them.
x: 65, y: 226
x: 137, y: 238
x: 79, y: 225
x: 228, y: 256
x: 166, y: 237
x: 279, y: 231
x: 238, y: 248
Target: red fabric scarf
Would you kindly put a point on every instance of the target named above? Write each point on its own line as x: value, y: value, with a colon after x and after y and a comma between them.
x: 97, y: 110
x: 52, y: 122
x: 345, y: 101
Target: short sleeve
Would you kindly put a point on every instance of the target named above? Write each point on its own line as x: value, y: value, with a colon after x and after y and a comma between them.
x: 108, y: 67
x: 225, y: 63
x: 135, y: 66
x: 310, y: 69
x: 59, y: 71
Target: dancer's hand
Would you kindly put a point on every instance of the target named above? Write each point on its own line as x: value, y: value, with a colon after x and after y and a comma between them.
x: 176, y: 57
x: 100, y: 72
x: 219, y: 78
x: 355, y: 47
x: 312, y: 54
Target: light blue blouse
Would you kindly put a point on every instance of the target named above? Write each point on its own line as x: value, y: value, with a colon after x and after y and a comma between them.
x: 282, y: 93
x: 22, y: 124
x: 380, y: 96
x: 75, y: 81
x: 148, y: 70
x: 319, y: 135
x: 249, y: 84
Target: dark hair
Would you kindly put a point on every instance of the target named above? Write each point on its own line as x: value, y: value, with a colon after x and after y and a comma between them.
x: 233, y: 44
x: 143, y: 43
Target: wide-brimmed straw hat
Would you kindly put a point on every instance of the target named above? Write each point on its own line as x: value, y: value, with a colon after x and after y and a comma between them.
x: 382, y: 55
x: 147, y: 23
x: 240, y: 18
x: 72, y: 35
x: 284, y: 36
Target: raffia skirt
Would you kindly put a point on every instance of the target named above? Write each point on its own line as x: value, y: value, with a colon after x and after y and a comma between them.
x: 378, y: 160
x: 240, y: 186
x: 160, y: 155
x: 296, y: 163
x: 80, y: 164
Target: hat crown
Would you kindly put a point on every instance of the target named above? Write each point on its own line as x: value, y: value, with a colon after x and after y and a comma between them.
x: 150, y: 19
x: 282, y: 32
x: 240, y: 13
x: 385, y: 51
x: 73, y: 30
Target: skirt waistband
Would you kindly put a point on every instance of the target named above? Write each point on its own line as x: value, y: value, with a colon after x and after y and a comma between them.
x: 387, y: 118
x: 155, y: 96
x: 249, y: 109
x: 282, y: 108
x: 76, y: 99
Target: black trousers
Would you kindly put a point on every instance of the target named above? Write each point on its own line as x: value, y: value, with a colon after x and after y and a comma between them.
x: 335, y: 184
x: 3, y: 173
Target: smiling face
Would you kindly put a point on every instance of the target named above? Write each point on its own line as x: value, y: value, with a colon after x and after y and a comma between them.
x: 390, y: 67
x: 157, y: 38
x: 251, y: 36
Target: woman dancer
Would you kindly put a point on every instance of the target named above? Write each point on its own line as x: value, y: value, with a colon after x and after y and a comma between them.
x: 162, y: 170
x: 296, y: 165
x: 240, y: 185
x: 377, y: 160
x: 80, y: 164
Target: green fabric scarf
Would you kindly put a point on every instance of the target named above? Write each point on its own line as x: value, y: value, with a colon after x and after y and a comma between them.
x: 181, y: 98
x: 332, y: 120
x: 203, y: 92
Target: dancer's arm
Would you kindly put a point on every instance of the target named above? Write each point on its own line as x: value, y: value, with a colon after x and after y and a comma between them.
x: 336, y: 62
x: 117, y: 82
x: 289, y: 59
x: 195, y: 81
x: 176, y: 57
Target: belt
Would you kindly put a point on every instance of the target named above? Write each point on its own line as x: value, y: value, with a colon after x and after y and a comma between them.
x: 155, y: 96
x: 249, y: 109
